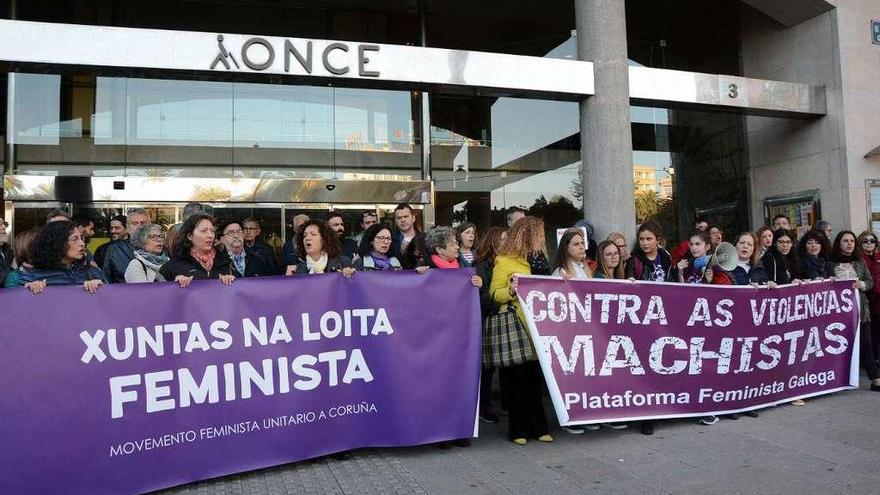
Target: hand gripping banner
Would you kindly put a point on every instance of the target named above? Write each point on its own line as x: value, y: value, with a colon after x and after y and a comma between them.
x: 142, y: 387
x: 615, y: 350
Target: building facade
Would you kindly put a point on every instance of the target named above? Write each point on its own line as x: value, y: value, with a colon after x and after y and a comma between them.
x: 734, y: 110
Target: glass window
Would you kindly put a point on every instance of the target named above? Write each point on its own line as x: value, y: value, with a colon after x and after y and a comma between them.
x: 82, y: 125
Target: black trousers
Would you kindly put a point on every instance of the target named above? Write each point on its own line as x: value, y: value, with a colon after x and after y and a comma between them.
x: 522, y: 394
x: 866, y: 351
x: 486, y: 390
x: 875, y: 334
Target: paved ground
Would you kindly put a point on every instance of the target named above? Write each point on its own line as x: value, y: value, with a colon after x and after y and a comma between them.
x: 830, y: 446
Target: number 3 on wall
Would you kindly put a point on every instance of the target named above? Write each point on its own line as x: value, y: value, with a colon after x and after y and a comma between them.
x: 732, y: 91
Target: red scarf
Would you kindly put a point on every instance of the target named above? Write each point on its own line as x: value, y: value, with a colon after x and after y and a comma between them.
x: 206, y: 260
x: 443, y: 264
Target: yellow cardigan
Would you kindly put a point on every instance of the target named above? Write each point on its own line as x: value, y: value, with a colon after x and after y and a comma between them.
x: 505, y: 266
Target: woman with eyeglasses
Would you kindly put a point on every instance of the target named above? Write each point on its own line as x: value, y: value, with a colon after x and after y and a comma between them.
x: 847, y: 263
x: 374, y: 251
x: 149, y: 255
x: 58, y: 252
x: 780, y: 258
x: 871, y: 256
x: 609, y: 264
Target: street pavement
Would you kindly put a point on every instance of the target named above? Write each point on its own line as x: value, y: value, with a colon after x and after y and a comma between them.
x: 829, y: 446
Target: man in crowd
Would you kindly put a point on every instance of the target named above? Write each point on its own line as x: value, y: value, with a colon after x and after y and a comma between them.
x: 121, y: 252
x: 514, y: 213
x: 86, y: 227
x: 406, y: 231
x: 117, y: 231
x: 337, y: 225
x: 289, y: 256
x: 824, y: 226
x: 57, y: 215
x: 368, y: 219
x: 253, y: 242
x: 781, y: 222
x: 683, y: 247
x: 247, y: 263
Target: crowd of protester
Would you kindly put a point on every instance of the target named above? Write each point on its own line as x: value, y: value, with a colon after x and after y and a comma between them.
x: 202, y: 248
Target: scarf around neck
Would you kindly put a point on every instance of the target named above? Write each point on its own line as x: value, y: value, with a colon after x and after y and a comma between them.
x: 153, y: 261
x: 206, y: 259
x: 443, y: 264
x: 843, y: 258
x: 317, y: 266
x: 380, y: 260
x: 814, y: 267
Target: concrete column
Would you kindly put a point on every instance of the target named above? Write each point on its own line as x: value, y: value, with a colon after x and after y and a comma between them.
x: 606, y: 137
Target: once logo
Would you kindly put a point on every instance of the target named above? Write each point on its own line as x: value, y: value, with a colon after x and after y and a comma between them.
x: 258, y: 54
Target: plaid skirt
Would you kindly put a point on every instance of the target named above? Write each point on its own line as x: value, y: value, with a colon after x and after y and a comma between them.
x: 506, y: 341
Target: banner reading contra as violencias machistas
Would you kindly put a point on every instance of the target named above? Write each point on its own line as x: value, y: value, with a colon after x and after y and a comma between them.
x: 142, y: 387
x: 617, y: 350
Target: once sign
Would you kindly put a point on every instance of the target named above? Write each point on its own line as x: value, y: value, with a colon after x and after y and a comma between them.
x: 259, y: 54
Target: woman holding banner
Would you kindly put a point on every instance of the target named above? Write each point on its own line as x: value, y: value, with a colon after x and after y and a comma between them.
x: 609, y: 265
x: 812, y: 262
x: 21, y: 257
x: 443, y: 246
x: 523, y: 253
x: 749, y: 270
x: 149, y: 255
x: 195, y: 257
x: 847, y: 263
x: 321, y: 251
x: 374, y: 251
x: 59, y: 259
x: 780, y: 258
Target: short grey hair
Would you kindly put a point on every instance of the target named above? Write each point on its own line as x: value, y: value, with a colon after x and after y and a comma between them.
x: 136, y: 211
x: 438, y: 237
x: 191, y: 209
x: 142, y: 235
x: 823, y: 224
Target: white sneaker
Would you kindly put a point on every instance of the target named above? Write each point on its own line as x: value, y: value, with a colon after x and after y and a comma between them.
x: 574, y: 430
x: 708, y: 420
x: 616, y: 426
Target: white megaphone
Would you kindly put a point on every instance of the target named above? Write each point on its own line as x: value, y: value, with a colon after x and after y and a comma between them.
x: 725, y: 256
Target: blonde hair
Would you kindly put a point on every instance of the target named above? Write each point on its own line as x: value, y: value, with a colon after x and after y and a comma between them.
x: 524, y: 238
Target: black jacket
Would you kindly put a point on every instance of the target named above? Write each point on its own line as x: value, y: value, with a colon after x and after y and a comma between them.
x: 333, y: 265
x: 637, y: 263
x: 5, y: 261
x: 488, y: 306
x: 268, y: 255
x: 349, y: 247
x: 255, y: 265
x: 777, y: 272
x: 116, y: 259
x: 185, y: 264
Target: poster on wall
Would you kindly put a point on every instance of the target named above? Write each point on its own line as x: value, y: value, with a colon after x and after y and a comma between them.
x: 802, y: 209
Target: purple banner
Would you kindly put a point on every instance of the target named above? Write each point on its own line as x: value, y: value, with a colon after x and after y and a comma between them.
x: 142, y: 387
x: 616, y: 350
